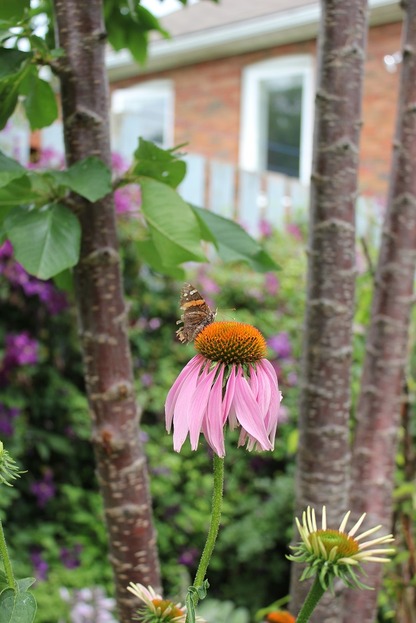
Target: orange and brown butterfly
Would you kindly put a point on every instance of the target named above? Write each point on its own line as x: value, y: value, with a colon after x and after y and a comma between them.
x: 196, y: 314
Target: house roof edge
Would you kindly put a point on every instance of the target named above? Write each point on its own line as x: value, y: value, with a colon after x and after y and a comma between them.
x: 295, y: 25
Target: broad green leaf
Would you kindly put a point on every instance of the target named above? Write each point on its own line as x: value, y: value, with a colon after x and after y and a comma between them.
x: 40, y: 101
x: 9, y: 169
x: 64, y: 281
x: 90, y: 178
x: 25, y: 583
x: 45, y: 241
x: 9, y: 93
x: 137, y: 43
x: 16, y: 607
x: 11, y: 61
x: 17, y: 192
x: 3, y: 581
x: 232, y: 242
x: 149, y: 254
x: 160, y: 164
x: 148, y: 21
x: 13, y: 9
x: 172, y: 223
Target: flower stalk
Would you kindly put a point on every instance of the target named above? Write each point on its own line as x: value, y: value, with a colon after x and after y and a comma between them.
x: 214, y: 526
x: 217, y: 495
x: 6, y: 560
x: 313, y: 597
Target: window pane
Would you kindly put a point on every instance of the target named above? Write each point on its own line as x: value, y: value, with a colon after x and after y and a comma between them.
x: 284, y: 107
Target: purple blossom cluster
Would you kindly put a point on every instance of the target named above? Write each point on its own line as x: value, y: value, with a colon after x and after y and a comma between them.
x: 20, y: 350
x: 40, y: 566
x: 44, y: 489
x: 7, y: 416
x: 54, y: 300
x: 89, y: 605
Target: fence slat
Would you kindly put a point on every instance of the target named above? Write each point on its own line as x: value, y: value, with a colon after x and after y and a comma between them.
x: 249, y: 201
x: 192, y: 188
x: 222, y: 188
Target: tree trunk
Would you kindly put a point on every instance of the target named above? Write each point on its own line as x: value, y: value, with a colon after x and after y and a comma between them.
x: 382, y: 388
x: 324, y: 456
x: 121, y: 464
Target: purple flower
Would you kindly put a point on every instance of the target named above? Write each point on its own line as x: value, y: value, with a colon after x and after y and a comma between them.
x: 118, y: 164
x: 146, y: 379
x: 294, y: 230
x: 70, y: 558
x: 89, y: 605
x: 189, y: 557
x: 48, y: 159
x: 55, y: 301
x: 266, y: 228
x: 7, y: 415
x: 271, y: 284
x: 21, y: 350
x: 44, y: 489
x: 6, y: 250
x: 281, y: 345
x: 154, y: 323
x: 40, y: 566
x: 127, y: 199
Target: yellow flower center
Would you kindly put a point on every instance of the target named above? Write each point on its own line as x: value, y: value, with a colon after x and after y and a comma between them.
x: 347, y: 546
x: 166, y: 605
x: 231, y: 342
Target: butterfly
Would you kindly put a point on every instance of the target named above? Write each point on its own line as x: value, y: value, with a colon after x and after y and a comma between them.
x: 196, y: 314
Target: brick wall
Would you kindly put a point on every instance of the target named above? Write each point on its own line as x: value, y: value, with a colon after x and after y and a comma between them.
x: 207, y: 104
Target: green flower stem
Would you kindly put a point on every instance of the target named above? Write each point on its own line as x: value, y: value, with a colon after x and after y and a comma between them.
x: 311, y: 601
x: 215, y: 522
x: 6, y: 560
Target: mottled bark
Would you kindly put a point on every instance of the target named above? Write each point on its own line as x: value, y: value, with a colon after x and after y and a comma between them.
x: 382, y: 388
x: 324, y: 455
x: 121, y: 465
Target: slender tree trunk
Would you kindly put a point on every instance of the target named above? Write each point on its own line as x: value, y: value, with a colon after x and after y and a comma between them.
x: 382, y: 388
x: 324, y: 456
x: 121, y: 465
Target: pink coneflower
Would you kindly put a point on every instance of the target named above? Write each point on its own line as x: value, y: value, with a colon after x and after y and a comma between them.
x: 229, y: 380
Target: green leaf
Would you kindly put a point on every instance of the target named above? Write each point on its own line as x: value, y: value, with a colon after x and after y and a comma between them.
x: 64, y: 281
x: 40, y: 101
x: 9, y: 169
x: 172, y: 223
x: 17, y: 607
x: 25, y: 583
x: 11, y: 61
x: 90, y: 178
x: 160, y: 164
x: 17, y: 192
x: 149, y: 254
x: 45, y: 241
x: 13, y: 10
x: 148, y: 21
x: 9, y: 92
x: 232, y: 242
x: 3, y: 581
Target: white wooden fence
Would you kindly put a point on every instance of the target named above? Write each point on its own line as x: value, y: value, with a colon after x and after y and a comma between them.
x: 249, y: 197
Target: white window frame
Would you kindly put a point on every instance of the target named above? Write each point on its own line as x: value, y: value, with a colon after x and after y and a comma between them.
x: 253, y: 80
x: 125, y: 100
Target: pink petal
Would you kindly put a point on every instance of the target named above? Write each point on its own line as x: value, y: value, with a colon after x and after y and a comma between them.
x: 229, y: 394
x: 272, y: 417
x: 214, y: 419
x: 199, y: 404
x: 196, y: 362
x: 182, y: 408
x: 248, y: 413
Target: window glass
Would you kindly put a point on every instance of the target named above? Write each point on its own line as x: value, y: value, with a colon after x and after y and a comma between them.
x: 283, y: 113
